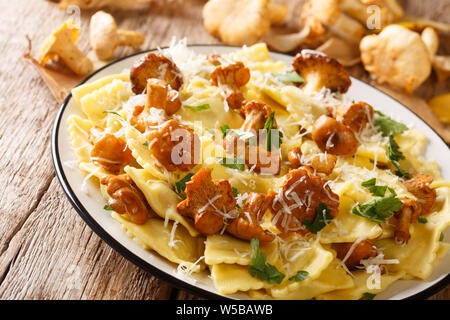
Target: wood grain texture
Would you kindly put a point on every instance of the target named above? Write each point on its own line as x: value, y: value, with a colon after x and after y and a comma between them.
x: 46, y: 250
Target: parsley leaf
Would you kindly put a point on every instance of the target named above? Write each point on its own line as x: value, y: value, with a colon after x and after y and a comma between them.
x: 269, y: 126
x: 224, y: 129
x: 180, y: 185
x: 387, y: 125
x: 422, y: 220
x: 395, y: 154
x: 323, y: 217
x: 107, y: 207
x: 205, y: 106
x: 146, y: 143
x: 441, y: 237
x: 368, y: 295
x: 233, y: 163
x: 235, y: 191
x: 289, y: 76
x: 260, y: 268
x: 378, y: 209
x: 379, y: 191
x: 243, y: 135
x: 299, y: 276
x: 113, y: 112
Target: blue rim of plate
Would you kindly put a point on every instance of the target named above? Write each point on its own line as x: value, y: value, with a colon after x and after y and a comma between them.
x: 126, y: 253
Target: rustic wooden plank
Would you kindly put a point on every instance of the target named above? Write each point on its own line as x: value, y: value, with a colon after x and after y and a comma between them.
x: 57, y: 256
x: 46, y: 250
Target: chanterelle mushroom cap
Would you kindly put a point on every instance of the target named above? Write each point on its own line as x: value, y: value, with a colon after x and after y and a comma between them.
x: 237, y: 22
x: 397, y: 56
x: 155, y: 65
x: 104, y: 36
x: 61, y: 44
x: 321, y: 71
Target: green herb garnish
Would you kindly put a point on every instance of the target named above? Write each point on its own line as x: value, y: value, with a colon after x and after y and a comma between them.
x: 378, y: 191
x: 387, y: 125
x: 260, y: 268
x: 441, y: 237
x: 180, y: 185
x: 201, y: 107
x: 323, y: 217
x: 289, y: 76
x: 233, y: 163
x: 299, y: 276
x: 224, y: 129
x: 235, y: 191
x: 378, y: 209
x: 368, y: 295
x: 269, y: 126
x: 422, y: 220
x: 113, y: 112
x: 107, y: 207
x: 395, y: 154
x: 243, y: 135
x: 146, y: 143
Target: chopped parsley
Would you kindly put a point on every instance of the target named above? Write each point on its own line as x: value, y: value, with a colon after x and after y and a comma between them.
x: 381, y: 208
x: 224, y: 129
x: 201, y: 107
x: 113, y: 112
x: 107, y: 207
x: 146, y: 143
x: 289, y: 76
x: 323, y: 217
x: 378, y: 209
x: 299, y: 276
x: 368, y: 295
x: 180, y: 185
x: 387, y: 125
x: 233, y: 163
x: 235, y: 191
x: 378, y: 191
x: 243, y: 135
x: 422, y: 220
x: 260, y: 268
x: 269, y: 126
x: 395, y: 154
x: 441, y: 237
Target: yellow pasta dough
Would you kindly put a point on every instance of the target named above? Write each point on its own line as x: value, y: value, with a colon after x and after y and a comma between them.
x: 109, y: 103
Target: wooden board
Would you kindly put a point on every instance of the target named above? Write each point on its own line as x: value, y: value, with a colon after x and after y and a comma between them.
x: 46, y: 250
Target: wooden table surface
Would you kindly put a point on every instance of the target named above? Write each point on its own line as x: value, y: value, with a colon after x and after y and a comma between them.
x: 46, y: 250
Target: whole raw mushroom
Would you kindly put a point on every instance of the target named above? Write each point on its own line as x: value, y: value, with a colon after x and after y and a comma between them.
x: 61, y: 44
x: 241, y: 22
x: 397, y: 56
x: 105, y: 37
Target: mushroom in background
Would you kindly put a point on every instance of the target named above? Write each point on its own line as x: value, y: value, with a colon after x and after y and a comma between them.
x: 241, y: 22
x: 336, y: 27
x: 104, y: 36
x: 332, y: 17
x: 61, y: 45
x: 321, y: 71
x: 96, y: 4
x: 441, y: 64
x: 389, y: 10
x: 404, y: 64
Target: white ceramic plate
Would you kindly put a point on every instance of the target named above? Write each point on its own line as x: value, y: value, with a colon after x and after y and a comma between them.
x: 90, y: 207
